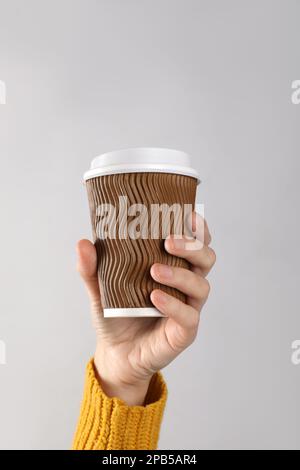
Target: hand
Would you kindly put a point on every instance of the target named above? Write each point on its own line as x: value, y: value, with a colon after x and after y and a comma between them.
x: 130, y: 350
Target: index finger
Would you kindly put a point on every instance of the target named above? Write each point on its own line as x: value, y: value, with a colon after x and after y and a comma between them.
x: 198, y: 255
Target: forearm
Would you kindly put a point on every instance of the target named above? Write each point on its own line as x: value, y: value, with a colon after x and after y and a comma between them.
x: 110, y: 424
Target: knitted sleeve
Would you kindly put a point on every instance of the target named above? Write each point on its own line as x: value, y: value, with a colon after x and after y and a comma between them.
x: 109, y: 424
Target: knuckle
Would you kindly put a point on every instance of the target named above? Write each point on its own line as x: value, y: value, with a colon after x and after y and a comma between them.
x: 96, y: 306
x: 210, y: 258
x: 213, y: 256
x: 194, y: 323
x: 205, y: 288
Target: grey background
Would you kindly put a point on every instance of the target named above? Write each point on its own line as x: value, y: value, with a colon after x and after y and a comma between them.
x: 212, y: 78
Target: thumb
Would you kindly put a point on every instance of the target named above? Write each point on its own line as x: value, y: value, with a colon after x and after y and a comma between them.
x: 87, y: 268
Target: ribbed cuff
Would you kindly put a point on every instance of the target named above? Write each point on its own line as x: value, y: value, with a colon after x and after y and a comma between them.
x: 109, y: 424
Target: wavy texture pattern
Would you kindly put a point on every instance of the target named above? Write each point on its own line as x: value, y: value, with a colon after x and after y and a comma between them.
x: 124, y: 264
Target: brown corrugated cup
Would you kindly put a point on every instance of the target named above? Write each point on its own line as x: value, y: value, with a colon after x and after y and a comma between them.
x: 137, y: 198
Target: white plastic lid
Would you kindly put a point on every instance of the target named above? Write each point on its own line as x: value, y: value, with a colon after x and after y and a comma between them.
x: 136, y: 160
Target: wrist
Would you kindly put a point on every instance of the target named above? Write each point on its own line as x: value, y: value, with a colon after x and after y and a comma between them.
x: 131, y: 390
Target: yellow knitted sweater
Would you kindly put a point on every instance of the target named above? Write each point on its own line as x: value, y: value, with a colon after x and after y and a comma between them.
x: 109, y: 424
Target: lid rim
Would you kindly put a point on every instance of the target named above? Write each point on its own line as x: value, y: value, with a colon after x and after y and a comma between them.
x: 142, y: 159
x: 117, y: 169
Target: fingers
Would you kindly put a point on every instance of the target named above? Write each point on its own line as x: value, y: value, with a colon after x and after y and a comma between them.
x: 194, y: 249
x: 184, y: 315
x: 87, y: 268
x: 186, y: 281
x: 198, y: 228
x: 199, y: 255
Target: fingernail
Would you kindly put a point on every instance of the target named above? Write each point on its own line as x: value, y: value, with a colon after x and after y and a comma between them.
x: 164, y: 271
x: 178, y: 243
